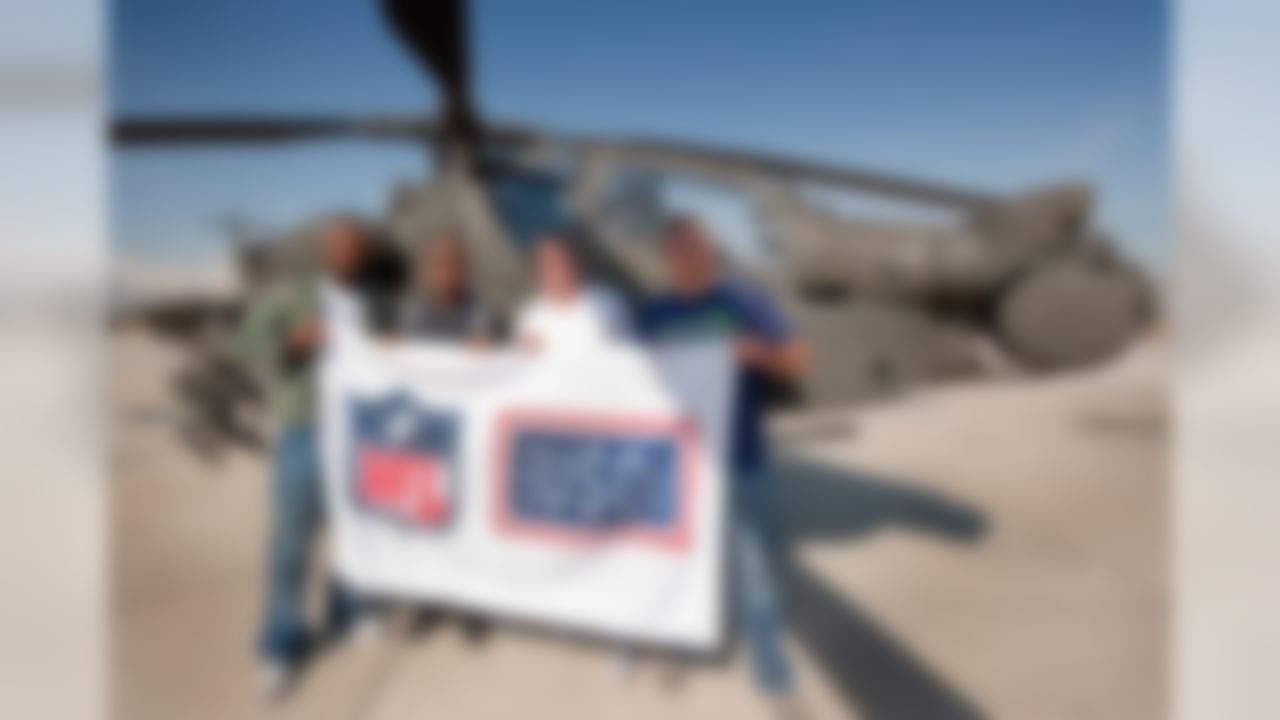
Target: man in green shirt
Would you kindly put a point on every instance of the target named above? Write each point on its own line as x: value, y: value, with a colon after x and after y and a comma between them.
x: 281, y: 337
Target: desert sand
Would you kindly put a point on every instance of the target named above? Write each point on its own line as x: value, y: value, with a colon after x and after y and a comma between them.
x: 989, y: 549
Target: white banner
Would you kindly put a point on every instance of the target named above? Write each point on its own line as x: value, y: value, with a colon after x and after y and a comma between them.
x: 584, y: 490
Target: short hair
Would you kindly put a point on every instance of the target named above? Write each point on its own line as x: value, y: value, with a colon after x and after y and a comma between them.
x: 349, y: 221
x: 554, y: 236
x: 687, y: 225
x: 677, y: 222
x: 563, y: 240
x: 681, y: 223
x: 446, y: 240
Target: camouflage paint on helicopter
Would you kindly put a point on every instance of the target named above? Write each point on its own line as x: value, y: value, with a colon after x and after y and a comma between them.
x: 885, y: 306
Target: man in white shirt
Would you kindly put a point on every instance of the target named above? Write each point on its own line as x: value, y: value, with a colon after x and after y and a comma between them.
x: 565, y: 314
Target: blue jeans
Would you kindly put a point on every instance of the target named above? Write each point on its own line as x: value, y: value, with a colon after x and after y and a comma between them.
x: 753, y: 547
x: 297, y: 507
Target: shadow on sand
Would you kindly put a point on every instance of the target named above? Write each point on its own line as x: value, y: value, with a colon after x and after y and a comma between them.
x: 873, y: 673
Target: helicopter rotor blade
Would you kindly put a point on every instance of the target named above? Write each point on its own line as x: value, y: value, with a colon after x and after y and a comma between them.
x: 266, y: 129
x: 698, y: 156
x: 436, y: 32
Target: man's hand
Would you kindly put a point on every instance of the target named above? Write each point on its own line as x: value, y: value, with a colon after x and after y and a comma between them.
x: 784, y: 360
x: 304, y: 337
x: 750, y: 351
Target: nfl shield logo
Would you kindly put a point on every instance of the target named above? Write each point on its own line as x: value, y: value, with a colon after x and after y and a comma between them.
x: 404, y: 461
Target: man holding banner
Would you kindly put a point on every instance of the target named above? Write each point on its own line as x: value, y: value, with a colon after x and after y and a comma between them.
x: 583, y: 486
x: 703, y: 304
x: 444, y: 308
x: 567, y: 314
x: 282, y: 335
x: 582, y: 490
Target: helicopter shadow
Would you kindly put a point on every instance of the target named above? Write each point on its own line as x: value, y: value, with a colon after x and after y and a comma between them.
x: 870, y: 669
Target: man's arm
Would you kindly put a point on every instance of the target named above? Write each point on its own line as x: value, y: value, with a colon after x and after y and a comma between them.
x: 270, y: 335
x: 767, y: 341
x: 527, y: 334
x: 255, y: 340
x: 482, y: 328
x: 785, y: 360
x: 619, y: 320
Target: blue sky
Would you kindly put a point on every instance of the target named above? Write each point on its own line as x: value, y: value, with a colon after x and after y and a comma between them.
x: 999, y: 95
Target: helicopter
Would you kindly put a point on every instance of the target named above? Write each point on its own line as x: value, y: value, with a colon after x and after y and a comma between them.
x: 886, y: 306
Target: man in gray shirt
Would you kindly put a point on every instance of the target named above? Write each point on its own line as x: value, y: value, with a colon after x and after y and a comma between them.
x: 442, y: 306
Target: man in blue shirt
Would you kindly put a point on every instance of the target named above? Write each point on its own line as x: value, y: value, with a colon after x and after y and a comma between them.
x: 705, y: 303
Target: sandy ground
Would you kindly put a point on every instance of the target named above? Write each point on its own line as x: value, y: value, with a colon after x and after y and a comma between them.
x: 989, y: 550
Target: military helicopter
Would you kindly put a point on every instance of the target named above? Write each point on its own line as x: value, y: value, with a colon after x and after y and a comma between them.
x: 885, y: 306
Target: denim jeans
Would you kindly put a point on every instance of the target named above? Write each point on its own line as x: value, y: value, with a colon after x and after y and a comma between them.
x: 297, y: 507
x: 753, y: 549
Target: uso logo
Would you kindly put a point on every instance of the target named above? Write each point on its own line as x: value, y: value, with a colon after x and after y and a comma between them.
x: 572, y: 478
x: 405, y: 461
